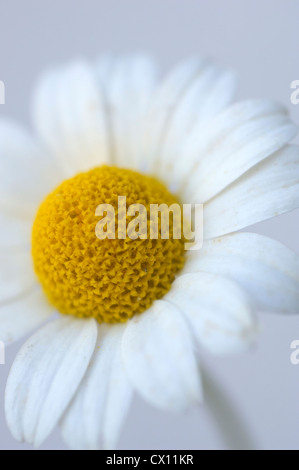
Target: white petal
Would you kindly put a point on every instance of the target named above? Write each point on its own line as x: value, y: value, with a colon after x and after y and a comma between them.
x: 45, y: 375
x: 69, y: 114
x: 159, y: 358
x: 127, y: 85
x: 15, y: 228
x: 211, y: 92
x: 16, y: 273
x: 267, y: 190
x: 101, y: 403
x: 26, y: 172
x: 265, y: 268
x: 118, y: 402
x: 21, y: 315
x: 162, y: 105
x: 241, y: 137
x: 191, y: 94
x: 218, y: 311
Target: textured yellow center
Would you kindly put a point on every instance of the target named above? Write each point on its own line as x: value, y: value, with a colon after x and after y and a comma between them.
x: 108, y: 279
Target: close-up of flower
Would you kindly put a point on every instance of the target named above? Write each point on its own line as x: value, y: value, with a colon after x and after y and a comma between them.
x: 116, y: 316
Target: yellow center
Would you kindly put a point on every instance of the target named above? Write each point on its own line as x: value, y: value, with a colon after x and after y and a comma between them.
x: 107, y: 279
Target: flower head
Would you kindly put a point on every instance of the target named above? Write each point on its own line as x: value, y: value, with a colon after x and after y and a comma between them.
x: 129, y: 312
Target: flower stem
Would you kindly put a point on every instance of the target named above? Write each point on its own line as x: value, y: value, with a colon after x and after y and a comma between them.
x: 236, y: 434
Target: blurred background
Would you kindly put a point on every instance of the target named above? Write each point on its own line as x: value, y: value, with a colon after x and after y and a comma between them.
x: 258, y: 38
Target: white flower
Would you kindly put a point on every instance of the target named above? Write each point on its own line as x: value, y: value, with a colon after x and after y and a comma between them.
x: 233, y: 158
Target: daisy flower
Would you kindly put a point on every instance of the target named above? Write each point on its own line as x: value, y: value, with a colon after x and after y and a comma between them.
x: 114, y: 316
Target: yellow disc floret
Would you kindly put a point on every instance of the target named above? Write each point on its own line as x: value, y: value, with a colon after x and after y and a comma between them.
x: 107, y: 279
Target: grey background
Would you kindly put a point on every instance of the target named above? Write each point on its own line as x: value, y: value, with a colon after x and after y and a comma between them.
x: 260, y: 39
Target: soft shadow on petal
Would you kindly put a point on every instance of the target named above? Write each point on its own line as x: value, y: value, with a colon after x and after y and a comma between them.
x: 23, y: 314
x: 188, y: 97
x: 267, y: 190
x: 15, y: 228
x: 265, y: 268
x: 218, y: 311
x: 70, y: 117
x: 27, y: 173
x: 159, y: 358
x: 236, y: 140
x: 100, y: 405
x: 45, y: 375
x: 16, y: 273
x: 127, y: 85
